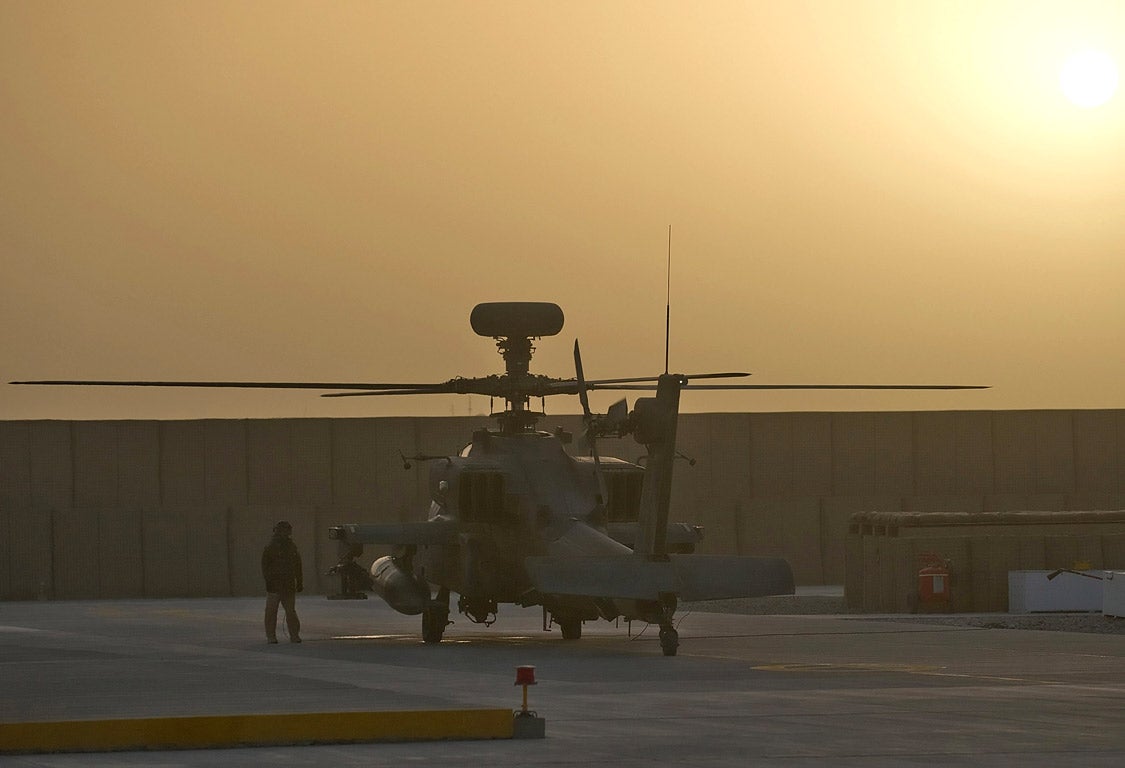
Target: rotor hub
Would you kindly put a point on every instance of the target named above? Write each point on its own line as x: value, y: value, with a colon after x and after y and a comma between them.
x: 514, y: 324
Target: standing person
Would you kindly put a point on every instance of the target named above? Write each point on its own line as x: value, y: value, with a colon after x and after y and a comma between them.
x: 281, y: 568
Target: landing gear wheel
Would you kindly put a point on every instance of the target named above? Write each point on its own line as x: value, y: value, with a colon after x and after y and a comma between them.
x: 669, y: 640
x: 435, y: 617
x: 571, y: 628
x: 433, y: 625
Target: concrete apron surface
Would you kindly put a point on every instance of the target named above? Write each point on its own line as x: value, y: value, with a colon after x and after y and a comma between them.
x: 744, y: 690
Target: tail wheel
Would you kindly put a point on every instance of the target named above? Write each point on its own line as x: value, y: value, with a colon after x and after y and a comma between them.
x: 669, y: 640
x: 571, y: 628
x: 435, y: 617
x: 433, y: 626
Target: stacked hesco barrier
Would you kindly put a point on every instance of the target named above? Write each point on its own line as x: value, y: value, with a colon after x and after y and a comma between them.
x: 886, y: 551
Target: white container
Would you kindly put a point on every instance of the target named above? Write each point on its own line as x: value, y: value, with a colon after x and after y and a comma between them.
x: 1033, y: 592
x: 1113, y: 595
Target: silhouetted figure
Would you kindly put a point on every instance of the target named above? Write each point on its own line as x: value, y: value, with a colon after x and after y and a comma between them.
x: 281, y: 568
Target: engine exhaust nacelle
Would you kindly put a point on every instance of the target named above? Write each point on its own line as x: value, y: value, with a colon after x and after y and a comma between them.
x: 398, y: 587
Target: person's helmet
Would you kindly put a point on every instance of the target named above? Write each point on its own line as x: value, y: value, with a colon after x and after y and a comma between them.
x: 283, y: 527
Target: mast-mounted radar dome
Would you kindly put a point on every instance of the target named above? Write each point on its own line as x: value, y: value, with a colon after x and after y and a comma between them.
x: 517, y: 319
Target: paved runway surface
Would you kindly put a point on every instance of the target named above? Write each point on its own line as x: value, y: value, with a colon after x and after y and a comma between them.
x: 744, y: 690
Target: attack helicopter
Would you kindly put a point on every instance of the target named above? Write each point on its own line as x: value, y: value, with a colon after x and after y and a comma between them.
x: 515, y: 519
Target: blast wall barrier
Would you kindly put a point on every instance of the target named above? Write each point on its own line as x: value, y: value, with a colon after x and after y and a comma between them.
x: 884, y: 551
x: 114, y: 509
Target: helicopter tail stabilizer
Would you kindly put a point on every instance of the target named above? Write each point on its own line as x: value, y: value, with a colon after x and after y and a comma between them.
x: 689, y: 577
x: 622, y: 576
x: 437, y: 531
x: 717, y: 577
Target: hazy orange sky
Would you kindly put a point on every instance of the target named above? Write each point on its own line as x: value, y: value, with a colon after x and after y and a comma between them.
x: 883, y: 192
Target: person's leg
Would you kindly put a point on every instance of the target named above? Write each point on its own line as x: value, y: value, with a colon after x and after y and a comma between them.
x: 272, y: 600
x: 292, y: 621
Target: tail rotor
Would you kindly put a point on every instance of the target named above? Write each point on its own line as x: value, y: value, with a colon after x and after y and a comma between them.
x: 590, y: 420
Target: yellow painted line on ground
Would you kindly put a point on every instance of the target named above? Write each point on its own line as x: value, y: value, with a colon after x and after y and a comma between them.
x: 851, y: 667
x: 223, y: 731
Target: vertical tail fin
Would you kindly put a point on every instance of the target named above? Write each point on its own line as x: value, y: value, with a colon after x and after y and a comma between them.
x: 655, y: 427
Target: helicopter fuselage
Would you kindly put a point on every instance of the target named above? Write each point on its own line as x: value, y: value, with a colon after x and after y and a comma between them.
x: 514, y: 518
x: 508, y: 497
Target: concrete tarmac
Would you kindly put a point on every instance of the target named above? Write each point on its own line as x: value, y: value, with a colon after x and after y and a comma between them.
x: 744, y: 690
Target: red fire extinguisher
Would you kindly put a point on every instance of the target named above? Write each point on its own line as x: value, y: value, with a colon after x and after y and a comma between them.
x: 933, y: 582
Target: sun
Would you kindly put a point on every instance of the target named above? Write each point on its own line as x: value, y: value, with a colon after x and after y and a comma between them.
x: 1089, y: 78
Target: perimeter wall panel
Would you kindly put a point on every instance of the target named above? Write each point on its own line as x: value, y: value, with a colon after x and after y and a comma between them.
x: 1090, y: 552
x: 1096, y: 452
x: 1015, y: 439
x: 306, y: 541
x: 771, y: 455
x: 950, y: 503
x: 355, y: 453
x: 31, y: 554
x: 225, y: 474
x: 1003, y: 556
x: 980, y: 573
x: 52, y: 478
x: 1061, y: 551
x: 1054, y: 452
x: 1024, y: 502
x: 6, y: 514
x: 164, y: 533
x: 788, y: 528
x: 723, y: 466
x: 312, y: 462
x: 206, y: 551
x: 935, y: 454
x: 138, y: 465
x: 135, y: 508
x: 182, y: 463
x: 812, y: 452
x: 1120, y: 419
x: 270, y: 466
x: 76, y: 557
x: 973, y: 461
x: 95, y: 464
x: 853, y: 453
x: 894, y: 454
x: 1033, y: 553
x: 1086, y: 500
x: 15, y: 465
x: 396, y: 489
x: 120, y: 552
x: 15, y: 500
x: 1113, y: 551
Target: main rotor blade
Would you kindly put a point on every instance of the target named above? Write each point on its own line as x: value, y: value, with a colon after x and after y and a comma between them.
x: 800, y: 386
x: 237, y: 384
x: 428, y: 391
x: 635, y: 379
x: 837, y: 386
x: 571, y: 386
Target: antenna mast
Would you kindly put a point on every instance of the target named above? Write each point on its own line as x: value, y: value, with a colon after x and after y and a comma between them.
x: 668, y: 299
